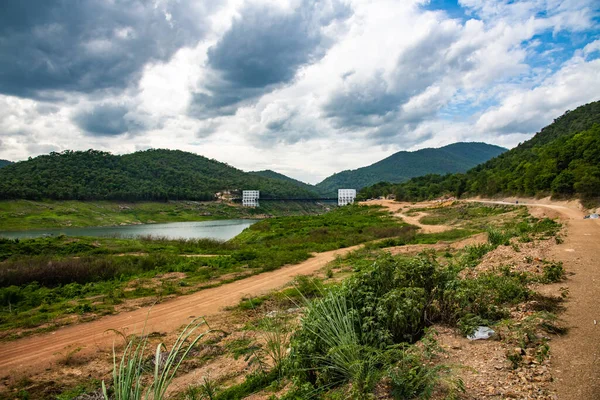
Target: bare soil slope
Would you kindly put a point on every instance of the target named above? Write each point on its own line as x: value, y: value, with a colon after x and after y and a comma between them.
x: 576, y: 356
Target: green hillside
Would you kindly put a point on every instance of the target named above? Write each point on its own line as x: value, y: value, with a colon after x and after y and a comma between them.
x: 145, y: 175
x: 276, y: 175
x: 4, y: 163
x: 562, y: 160
x: 401, y: 166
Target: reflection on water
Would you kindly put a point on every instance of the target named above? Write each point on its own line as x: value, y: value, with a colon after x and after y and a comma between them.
x: 220, y: 230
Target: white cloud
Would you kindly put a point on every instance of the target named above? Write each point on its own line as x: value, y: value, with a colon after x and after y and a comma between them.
x: 381, y: 76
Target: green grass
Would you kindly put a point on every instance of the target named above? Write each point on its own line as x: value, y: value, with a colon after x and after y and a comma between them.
x: 44, y: 279
x: 24, y: 214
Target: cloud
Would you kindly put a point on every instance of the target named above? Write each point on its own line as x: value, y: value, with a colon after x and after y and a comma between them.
x: 264, y: 48
x: 305, y: 86
x: 106, y: 120
x: 525, y: 111
x: 85, y: 46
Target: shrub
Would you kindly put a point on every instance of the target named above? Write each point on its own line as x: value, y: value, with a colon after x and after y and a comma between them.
x: 553, y: 272
x: 497, y: 237
x: 128, y: 371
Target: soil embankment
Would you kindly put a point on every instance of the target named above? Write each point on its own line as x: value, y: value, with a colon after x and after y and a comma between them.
x: 576, y: 356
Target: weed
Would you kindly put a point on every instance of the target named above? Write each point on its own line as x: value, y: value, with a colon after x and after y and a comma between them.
x: 129, y: 371
x: 412, y: 377
x: 276, y: 337
x: 240, y: 347
x: 497, y: 237
x: 206, y: 391
x: 251, y: 384
x: 68, y: 358
x: 515, y: 358
x: 553, y: 272
x: 329, y: 273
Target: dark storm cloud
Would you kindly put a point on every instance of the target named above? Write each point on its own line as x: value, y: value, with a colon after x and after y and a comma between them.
x: 262, y: 49
x: 378, y: 100
x: 106, y: 120
x: 86, y: 45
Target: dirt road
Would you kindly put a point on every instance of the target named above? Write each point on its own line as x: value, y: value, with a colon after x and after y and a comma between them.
x: 576, y: 356
x: 396, y: 208
x: 41, y: 351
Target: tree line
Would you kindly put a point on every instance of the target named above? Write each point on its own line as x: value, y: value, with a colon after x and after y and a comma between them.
x: 563, y: 160
x: 158, y: 175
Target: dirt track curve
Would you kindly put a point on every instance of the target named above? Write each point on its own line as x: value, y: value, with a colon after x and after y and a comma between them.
x: 396, y: 208
x: 38, y: 352
x: 576, y: 356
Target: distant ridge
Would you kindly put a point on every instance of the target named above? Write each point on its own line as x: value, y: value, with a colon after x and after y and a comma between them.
x: 403, y: 165
x: 4, y: 163
x: 267, y: 173
x: 562, y: 160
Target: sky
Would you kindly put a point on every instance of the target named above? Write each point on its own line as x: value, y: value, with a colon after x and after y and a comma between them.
x: 304, y: 87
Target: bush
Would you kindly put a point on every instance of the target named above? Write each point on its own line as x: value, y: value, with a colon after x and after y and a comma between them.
x: 496, y: 237
x: 553, y: 273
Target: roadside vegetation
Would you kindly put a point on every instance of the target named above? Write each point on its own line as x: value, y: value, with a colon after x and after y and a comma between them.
x: 46, y: 279
x: 366, y: 325
x: 375, y: 330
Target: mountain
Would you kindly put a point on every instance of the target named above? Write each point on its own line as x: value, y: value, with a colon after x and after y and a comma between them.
x: 401, y: 166
x: 4, y: 163
x: 276, y: 175
x: 144, y: 175
x: 561, y: 160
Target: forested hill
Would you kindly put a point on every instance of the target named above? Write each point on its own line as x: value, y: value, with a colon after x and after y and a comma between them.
x: 145, y: 175
x: 401, y: 166
x: 4, y: 163
x: 276, y: 175
x: 562, y: 160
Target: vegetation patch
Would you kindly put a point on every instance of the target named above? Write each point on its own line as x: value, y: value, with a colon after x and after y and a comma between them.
x: 45, y: 279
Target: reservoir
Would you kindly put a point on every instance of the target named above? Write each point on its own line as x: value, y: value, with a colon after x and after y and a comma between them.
x: 220, y: 230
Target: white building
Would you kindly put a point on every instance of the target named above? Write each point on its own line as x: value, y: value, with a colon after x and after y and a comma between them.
x: 250, y: 198
x: 346, y: 196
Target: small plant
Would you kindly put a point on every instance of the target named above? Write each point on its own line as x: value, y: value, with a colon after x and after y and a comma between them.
x: 276, y: 336
x: 240, y: 347
x: 495, y: 237
x: 129, y: 371
x: 208, y: 389
x: 559, y: 239
x: 68, y: 358
x: 554, y: 272
x: 412, y: 377
x: 515, y: 357
x: 329, y: 273
x: 469, y: 323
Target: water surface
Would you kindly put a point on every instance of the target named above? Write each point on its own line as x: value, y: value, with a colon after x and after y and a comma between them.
x: 220, y: 229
